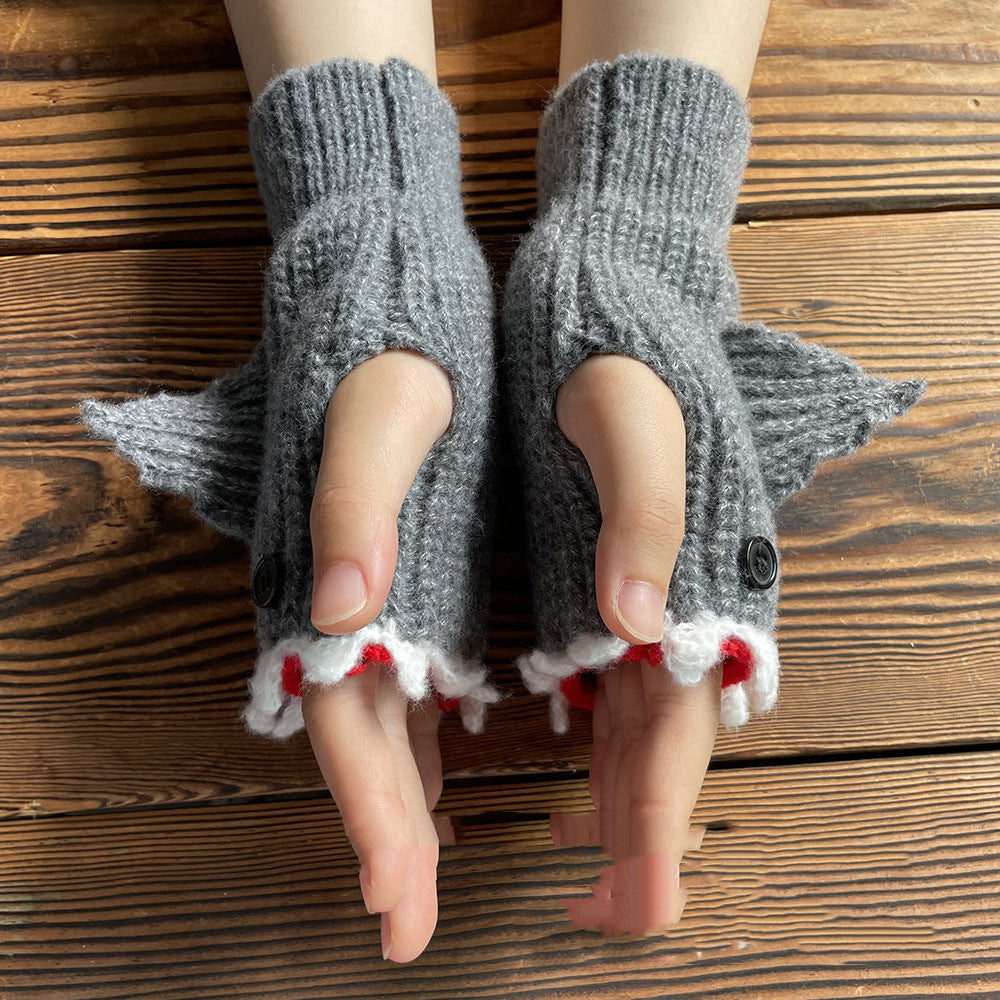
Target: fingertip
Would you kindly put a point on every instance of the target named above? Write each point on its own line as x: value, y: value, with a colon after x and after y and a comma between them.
x: 445, y: 829
x: 383, y: 878
x: 365, y: 881
x: 386, y: 934
x: 695, y: 837
x: 408, y: 927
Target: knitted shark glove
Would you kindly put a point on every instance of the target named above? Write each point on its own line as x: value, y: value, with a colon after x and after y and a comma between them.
x: 639, y: 165
x: 358, y: 167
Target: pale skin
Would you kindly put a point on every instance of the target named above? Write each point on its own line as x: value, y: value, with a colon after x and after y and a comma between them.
x: 652, y: 738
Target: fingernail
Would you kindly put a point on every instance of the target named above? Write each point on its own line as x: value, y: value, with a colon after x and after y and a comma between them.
x: 340, y: 594
x: 640, y: 607
x: 365, y: 879
x: 386, y: 933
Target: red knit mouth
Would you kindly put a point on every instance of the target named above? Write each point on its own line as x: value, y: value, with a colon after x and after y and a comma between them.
x: 580, y: 688
x: 735, y: 657
x: 737, y: 661
x: 291, y: 672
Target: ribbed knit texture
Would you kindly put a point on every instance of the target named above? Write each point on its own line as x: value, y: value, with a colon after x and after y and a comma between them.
x: 358, y: 167
x: 639, y: 164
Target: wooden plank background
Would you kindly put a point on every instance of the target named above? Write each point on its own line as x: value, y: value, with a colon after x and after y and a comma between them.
x: 124, y: 122
x: 860, y: 879
x: 854, y: 839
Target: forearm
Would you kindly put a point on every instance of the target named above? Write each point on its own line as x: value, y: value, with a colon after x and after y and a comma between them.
x: 275, y: 35
x: 721, y: 34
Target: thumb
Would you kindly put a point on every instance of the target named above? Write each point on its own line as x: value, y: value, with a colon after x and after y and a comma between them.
x: 383, y: 418
x: 628, y: 425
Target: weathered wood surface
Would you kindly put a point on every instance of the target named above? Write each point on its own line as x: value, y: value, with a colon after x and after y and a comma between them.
x: 125, y: 122
x: 125, y: 625
x: 862, y: 878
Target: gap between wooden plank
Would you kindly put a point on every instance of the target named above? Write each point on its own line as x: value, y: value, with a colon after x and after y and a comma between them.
x: 486, y: 781
x: 103, y: 136
x: 863, y: 879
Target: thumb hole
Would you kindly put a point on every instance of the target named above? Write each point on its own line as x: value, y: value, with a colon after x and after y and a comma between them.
x: 628, y: 425
x: 382, y: 420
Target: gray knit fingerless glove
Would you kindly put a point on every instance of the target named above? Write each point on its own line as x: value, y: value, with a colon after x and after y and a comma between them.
x: 639, y: 165
x: 358, y: 167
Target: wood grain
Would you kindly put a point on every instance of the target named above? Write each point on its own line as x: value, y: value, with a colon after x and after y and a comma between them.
x: 125, y: 625
x: 864, y: 878
x: 124, y: 124
x: 150, y: 848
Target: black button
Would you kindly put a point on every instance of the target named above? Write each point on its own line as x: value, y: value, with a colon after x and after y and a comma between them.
x: 760, y: 563
x: 264, y: 584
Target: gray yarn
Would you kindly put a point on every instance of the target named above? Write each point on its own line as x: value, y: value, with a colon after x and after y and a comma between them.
x: 639, y: 165
x: 358, y: 167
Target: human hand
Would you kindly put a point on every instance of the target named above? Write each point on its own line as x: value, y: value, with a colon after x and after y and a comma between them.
x: 653, y: 740
x: 381, y: 762
x: 653, y: 736
x: 628, y: 259
x: 371, y: 253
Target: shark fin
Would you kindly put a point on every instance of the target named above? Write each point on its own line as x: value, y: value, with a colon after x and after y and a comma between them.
x: 206, y: 446
x: 807, y: 403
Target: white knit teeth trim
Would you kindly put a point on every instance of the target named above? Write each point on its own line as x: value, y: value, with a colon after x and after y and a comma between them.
x: 271, y: 711
x: 690, y: 650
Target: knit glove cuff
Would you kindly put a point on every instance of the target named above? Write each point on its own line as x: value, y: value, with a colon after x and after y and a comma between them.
x: 639, y: 163
x: 358, y: 167
x: 651, y: 152
x: 344, y: 131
